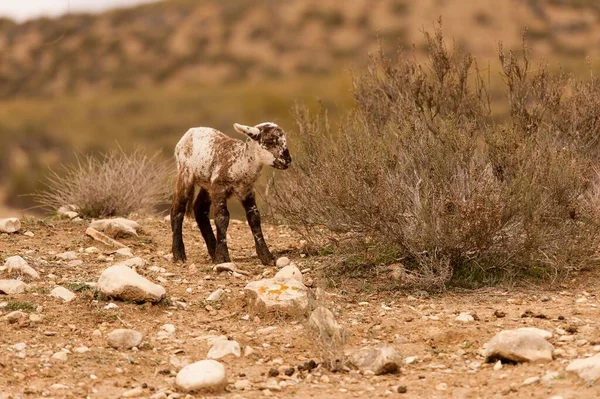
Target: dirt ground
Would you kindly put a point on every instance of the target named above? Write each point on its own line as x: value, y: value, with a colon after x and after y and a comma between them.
x: 448, y: 361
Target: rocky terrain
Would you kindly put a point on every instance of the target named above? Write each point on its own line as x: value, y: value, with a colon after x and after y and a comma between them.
x: 98, y: 310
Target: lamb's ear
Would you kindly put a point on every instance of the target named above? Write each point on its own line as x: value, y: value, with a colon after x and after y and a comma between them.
x: 249, y: 131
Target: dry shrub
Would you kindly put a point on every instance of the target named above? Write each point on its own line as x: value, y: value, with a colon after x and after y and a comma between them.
x: 420, y: 173
x: 112, y: 184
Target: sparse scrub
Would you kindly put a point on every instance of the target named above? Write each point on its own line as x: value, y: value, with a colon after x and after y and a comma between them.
x: 112, y: 184
x: 421, y: 172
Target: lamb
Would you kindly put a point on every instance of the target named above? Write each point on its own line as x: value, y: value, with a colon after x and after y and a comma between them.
x: 212, y: 167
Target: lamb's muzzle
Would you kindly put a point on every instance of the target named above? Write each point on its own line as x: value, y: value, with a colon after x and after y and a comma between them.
x: 211, y: 168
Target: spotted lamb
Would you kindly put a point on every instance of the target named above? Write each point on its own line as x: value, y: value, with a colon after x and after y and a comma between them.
x: 213, y: 167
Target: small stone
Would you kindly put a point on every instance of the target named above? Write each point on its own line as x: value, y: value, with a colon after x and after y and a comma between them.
x: 10, y: 225
x: 549, y: 376
x: 588, y: 369
x: 531, y: 380
x: 222, y: 347
x: 81, y: 349
x: 62, y: 293
x: 117, y: 227
x: 12, y: 287
x: 282, y: 262
x: 111, y: 306
x: 120, y: 281
x: 70, y: 255
x: 273, y: 373
x: 16, y: 264
x: 29, y: 234
x: 15, y: 316
x: 248, y: 351
x: 124, y: 252
x: 518, y: 346
x: 402, y: 389
x: 216, y: 295
x: 133, y: 393
x: 19, y: 347
x: 280, y: 297
x: 498, y: 365
x: 410, y: 360
x: 124, y: 339
x: 205, y: 375
x: 442, y: 386
x: 380, y: 359
x: 60, y: 356
x: 499, y: 314
x: 464, y: 317
x: 242, y: 385
x: 91, y: 250
x: 289, y: 272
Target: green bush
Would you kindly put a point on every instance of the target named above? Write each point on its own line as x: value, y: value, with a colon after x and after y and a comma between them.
x: 421, y: 174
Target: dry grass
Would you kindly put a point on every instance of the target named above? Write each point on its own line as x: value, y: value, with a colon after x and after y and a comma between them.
x: 113, y: 184
x: 422, y: 175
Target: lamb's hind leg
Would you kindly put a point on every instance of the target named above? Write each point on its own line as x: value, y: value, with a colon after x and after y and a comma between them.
x: 222, y: 223
x: 202, y: 214
x: 253, y: 217
x: 180, y: 200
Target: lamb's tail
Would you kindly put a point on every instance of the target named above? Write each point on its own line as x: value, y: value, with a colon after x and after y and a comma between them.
x: 189, y: 210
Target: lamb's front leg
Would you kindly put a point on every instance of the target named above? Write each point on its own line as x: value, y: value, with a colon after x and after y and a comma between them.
x: 222, y: 223
x: 253, y: 217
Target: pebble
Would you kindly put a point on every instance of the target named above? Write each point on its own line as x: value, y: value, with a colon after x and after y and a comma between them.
x: 124, y: 339
x: 205, y: 375
x: 60, y: 356
x: 62, y: 293
x: 531, y: 380
x: 216, y: 295
x: 464, y: 317
x: 282, y: 262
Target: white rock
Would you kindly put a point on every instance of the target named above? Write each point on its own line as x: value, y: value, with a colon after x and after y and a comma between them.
x: 166, y: 331
x: 549, y: 376
x: 69, y: 255
x: 133, y: 393
x: 81, y: 349
x: 29, y: 234
x: 205, y: 375
x: 380, y: 359
x: 329, y: 334
x: 531, y: 380
x: 118, y: 227
x: 124, y: 252
x: 10, y: 225
x: 111, y: 306
x: 12, y: 287
x: 410, y: 360
x: 498, y: 365
x: 120, y: 281
x: 91, y: 250
x: 19, y: 347
x: 518, y: 346
x: 134, y: 262
x: 248, y: 351
x: 15, y: 316
x: 58, y: 386
x: 288, y: 273
x: 223, y: 347
x: 69, y: 211
x: 242, y: 385
x: 62, y: 293
x: 60, y: 356
x: 75, y: 263
x: 124, y: 338
x: 274, y: 296
x: 216, y: 295
x: 588, y: 369
x: 17, y: 264
x: 543, y: 333
x: 464, y: 317
x: 282, y: 262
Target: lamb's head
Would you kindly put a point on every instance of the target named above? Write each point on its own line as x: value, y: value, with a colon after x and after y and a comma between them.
x: 271, y: 141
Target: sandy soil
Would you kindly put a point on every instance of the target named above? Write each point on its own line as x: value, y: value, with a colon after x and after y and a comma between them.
x: 448, y: 362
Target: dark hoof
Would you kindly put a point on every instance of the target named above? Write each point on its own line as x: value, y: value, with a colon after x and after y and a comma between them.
x: 268, y: 260
x: 179, y: 256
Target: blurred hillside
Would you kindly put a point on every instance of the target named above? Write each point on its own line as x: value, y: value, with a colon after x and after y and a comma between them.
x: 142, y: 76
x: 178, y: 42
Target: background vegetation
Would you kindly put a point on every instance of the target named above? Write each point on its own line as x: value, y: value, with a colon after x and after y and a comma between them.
x: 142, y: 76
x: 423, y: 175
